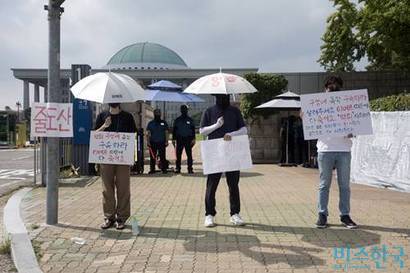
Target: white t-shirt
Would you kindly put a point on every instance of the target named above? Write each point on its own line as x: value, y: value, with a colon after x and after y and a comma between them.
x: 334, y: 144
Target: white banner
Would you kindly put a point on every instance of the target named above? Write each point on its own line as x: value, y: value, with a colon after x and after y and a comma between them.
x: 51, y: 120
x: 383, y: 159
x: 220, y: 156
x: 336, y: 113
x: 111, y: 148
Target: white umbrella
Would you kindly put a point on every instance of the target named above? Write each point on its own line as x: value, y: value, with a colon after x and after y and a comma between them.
x: 287, y: 101
x: 281, y: 104
x: 220, y: 83
x: 108, y: 88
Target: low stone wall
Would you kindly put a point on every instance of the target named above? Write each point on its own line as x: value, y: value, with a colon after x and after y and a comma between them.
x: 264, y: 134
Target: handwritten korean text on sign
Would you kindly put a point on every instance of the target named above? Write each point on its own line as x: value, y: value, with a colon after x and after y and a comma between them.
x: 52, y: 120
x: 336, y: 113
x: 111, y: 148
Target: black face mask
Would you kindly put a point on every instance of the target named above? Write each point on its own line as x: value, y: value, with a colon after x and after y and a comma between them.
x: 114, y: 105
x: 157, y: 117
x: 222, y: 101
x: 184, y: 112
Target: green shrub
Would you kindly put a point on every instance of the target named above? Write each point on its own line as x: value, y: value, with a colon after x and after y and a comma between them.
x: 5, y: 247
x: 399, y: 102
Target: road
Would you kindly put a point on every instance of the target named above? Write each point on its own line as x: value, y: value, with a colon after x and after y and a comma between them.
x: 16, y: 166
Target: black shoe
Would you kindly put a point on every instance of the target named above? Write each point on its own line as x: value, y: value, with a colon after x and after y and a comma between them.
x: 177, y: 171
x: 107, y: 224
x: 120, y: 225
x: 190, y: 171
x: 322, y: 221
x: 348, y: 222
x: 151, y: 172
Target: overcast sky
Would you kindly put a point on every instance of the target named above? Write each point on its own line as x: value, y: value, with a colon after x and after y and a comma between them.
x: 272, y: 35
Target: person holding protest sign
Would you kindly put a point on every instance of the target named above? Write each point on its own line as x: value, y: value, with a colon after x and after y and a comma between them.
x: 334, y: 152
x: 116, y: 178
x: 222, y: 121
x: 157, y: 141
x: 183, y: 137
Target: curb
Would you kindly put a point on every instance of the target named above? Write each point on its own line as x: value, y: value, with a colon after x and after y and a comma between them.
x: 22, y: 251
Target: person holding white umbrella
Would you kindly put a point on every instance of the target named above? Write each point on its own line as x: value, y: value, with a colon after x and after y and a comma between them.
x: 112, y: 88
x: 116, y: 178
x: 222, y: 121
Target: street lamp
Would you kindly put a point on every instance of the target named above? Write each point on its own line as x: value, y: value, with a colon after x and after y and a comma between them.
x: 18, y: 104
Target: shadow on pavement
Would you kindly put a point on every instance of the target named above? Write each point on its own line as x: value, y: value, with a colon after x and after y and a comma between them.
x: 325, y: 238
x: 249, y: 245
x: 209, y: 241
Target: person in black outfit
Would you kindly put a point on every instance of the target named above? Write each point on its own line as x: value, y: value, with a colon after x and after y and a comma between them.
x: 222, y: 121
x: 183, y: 136
x: 116, y: 178
x: 157, y: 141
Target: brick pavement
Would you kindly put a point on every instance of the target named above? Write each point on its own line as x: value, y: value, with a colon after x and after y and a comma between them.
x: 279, y: 205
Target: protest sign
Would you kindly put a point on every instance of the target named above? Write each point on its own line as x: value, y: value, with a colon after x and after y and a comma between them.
x: 111, y: 148
x: 219, y: 155
x: 336, y: 113
x: 51, y: 120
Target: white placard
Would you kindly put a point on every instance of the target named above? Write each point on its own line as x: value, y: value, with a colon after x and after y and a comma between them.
x: 336, y: 113
x: 220, y: 156
x: 112, y: 148
x: 51, y: 120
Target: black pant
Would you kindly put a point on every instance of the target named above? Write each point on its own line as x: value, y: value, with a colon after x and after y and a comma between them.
x: 157, y: 148
x: 184, y: 143
x: 232, y: 179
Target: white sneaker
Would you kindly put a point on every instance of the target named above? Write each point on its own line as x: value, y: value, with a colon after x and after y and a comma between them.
x: 237, y: 220
x: 209, y: 221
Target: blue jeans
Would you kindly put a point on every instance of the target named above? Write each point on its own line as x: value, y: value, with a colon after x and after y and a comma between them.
x: 341, y: 161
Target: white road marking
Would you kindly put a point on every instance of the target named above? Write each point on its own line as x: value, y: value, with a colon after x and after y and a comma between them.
x: 16, y: 174
x: 20, y: 158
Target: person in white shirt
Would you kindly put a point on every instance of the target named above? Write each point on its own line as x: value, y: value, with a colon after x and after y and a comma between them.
x: 334, y: 152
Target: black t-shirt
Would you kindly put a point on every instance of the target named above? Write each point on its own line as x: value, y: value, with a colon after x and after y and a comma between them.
x: 233, y: 120
x: 122, y: 122
x: 184, y: 127
x: 158, y: 130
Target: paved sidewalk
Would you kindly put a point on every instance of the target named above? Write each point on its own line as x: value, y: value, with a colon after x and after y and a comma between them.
x: 279, y: 205
x: 6, y: 263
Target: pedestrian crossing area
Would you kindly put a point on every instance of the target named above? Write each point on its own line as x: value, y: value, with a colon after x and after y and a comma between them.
x: 19, y: 174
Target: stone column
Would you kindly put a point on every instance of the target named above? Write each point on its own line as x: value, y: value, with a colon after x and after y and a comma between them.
x: 36, y: 93
x: 26, y: 95
x: 45, y: 94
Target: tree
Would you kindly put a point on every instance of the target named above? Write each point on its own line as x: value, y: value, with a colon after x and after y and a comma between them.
x: 384, y: 30
x: 268, y: 86
x: 341, y: 48
x: 376, y: 29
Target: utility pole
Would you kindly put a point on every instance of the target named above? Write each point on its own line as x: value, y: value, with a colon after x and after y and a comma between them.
x: 54, y: 95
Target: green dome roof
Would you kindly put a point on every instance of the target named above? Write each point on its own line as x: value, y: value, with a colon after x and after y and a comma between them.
x: 146, y: 53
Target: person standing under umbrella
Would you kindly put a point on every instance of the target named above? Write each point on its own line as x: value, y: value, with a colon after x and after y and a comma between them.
x: 116, y: 178
x: 222, y: 121
x: 157, y: 141
x: 183, y: 136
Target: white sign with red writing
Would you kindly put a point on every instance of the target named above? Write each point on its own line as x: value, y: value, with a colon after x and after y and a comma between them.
x: 112, y: 148
x: 336, y: 113
x: 51, y: 120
